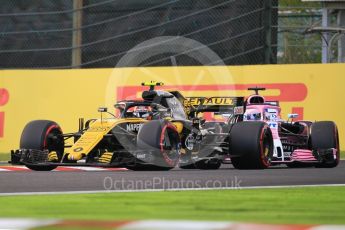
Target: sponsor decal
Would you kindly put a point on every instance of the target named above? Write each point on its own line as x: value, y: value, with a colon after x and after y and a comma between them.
x: 132, y: 127
x: 271, y: 114
x: 273, y: 125
x: 190, y: 142
x: 97, y: 129
x: 209, y: 101
x: 79, y: 149
x: 272, y: 111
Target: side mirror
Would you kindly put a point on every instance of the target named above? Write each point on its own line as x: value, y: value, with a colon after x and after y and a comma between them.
x: 102, y: 109
x: 292, y: 115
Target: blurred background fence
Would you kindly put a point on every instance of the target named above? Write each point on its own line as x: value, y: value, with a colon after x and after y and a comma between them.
x: 294, y: 45
x: 91, y: 33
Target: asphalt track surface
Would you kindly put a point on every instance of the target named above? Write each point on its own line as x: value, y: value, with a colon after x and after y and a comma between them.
x: 18, y: 182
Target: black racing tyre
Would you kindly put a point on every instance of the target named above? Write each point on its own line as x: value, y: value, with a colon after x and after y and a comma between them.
x: 146, y: 167
x: 161, y: 138
x: 324, y: 135
x: 42, y: 135
x: 251, y: 145
x: 188, y: 166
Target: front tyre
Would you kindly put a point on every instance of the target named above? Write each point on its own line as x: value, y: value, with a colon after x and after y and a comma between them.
x: 251, y: 145
x: 42, y: 135
x: 324, y: 135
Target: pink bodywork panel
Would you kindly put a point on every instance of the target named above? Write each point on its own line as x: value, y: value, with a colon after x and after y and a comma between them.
x: 302, y: 155
x: 261, y: 108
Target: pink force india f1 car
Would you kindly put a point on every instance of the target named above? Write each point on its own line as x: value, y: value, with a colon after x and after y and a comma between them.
x: 294, y: 143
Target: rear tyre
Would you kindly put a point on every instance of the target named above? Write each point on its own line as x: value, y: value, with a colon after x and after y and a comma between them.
x: 161, y: 138
x: 188, y: 166
x: 324, y: 135
x: 251, y: 145
x: 42, y: 135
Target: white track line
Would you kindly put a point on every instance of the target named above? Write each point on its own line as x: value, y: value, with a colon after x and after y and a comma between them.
x: 173, y: 225
x: 162, y: 190
x: 328, y: 227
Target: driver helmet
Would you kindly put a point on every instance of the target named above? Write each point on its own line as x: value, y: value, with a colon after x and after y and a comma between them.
x: 142, y: 112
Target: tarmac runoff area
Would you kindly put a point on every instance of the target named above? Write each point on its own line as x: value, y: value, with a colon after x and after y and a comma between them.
x: 22, y: 181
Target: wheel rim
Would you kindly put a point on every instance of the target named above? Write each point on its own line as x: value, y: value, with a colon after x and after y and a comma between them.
x: 53, y: 141
x: 337, y: 145
x: 267, y: 147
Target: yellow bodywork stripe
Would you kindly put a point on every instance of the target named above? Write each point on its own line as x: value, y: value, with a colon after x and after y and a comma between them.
x: 94, y: 135
x: 52, y: 156
x: 105, y: 157
x: 179, y: 126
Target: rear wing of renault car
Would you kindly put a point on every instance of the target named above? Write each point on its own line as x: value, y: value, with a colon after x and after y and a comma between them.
x: 231, y: 105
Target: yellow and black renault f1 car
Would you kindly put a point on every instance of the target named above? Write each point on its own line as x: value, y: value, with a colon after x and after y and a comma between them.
x: 155, y: 133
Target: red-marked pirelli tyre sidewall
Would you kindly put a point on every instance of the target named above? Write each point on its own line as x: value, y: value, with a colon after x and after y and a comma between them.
x: 324, y: 135
x: 42, y: 135
x: 161, y: 139
x: 251, y: 145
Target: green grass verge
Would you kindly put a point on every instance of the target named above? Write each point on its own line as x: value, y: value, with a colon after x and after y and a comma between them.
x: 320, y: 205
